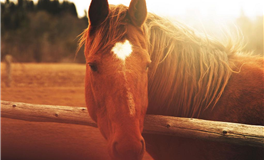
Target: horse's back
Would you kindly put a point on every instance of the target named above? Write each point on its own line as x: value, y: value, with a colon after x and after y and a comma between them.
x: 241, y: 102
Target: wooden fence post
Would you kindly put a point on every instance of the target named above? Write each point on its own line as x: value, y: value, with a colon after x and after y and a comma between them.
x: 8, y: 62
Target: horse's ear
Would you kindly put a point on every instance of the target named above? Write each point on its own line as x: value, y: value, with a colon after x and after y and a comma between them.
x: 138, y: 12
x: 98, y: 11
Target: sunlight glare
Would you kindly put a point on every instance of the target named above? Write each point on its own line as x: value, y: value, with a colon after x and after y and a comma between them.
x: 201, y: 8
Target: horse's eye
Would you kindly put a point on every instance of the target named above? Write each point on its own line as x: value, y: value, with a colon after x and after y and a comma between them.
x: 147, y: 66
x: 93, y: 66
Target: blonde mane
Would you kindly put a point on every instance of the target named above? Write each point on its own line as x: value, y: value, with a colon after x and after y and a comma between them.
x: 188, y: 73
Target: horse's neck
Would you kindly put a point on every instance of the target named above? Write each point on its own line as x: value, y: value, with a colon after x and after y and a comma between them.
x: 242, y: 96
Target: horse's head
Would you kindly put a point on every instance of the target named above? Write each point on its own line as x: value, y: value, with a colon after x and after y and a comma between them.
x: 116, y: 75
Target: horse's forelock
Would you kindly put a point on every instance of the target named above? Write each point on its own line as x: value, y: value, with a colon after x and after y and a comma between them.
x: 106, y: 34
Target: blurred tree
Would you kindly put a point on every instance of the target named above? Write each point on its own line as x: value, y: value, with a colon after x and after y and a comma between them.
x: 30, y: 6
x: 85, y: 18
x: 20, y: 3
x: 252, y: 31
x: 55, y: 7
x: 41, y: 32
x: 256, y: 38
x: 69, y: 7
x: 43, y: 5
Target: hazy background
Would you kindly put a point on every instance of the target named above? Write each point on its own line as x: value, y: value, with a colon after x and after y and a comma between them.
x: 47, y: 30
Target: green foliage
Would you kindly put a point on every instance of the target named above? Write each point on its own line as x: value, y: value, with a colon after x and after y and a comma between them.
x: 45, y: 32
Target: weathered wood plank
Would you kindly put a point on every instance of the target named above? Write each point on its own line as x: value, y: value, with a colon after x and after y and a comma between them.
x: 236, y: 133
x: 46, y: 113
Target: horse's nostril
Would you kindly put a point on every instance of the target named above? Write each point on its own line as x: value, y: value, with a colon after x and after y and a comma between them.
x: 115, y: 148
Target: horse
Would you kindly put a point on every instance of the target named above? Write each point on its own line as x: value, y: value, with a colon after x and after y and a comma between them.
x: 138, y: 63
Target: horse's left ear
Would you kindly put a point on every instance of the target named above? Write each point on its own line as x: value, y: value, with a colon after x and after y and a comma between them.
x: 138, y: 12
x: 98, y: 11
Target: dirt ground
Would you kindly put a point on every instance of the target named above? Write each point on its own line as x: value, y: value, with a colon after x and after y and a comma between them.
x: 54, y: 84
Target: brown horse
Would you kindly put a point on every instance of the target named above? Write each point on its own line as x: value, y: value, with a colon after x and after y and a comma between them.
x: 138, y: 62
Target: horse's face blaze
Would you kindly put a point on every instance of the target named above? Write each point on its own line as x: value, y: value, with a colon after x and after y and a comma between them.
x: 116, y: 86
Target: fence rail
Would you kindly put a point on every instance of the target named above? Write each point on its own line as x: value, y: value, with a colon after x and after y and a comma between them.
x: 241, y: 134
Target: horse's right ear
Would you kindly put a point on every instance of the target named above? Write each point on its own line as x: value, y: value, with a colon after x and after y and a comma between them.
x: 98, y: 11
x: 137, y: 11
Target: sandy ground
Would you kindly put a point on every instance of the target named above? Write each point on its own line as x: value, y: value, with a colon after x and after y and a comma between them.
x: 54, y: 84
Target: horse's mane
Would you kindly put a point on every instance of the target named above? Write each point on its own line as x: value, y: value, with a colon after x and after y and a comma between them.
x: 188, y: 73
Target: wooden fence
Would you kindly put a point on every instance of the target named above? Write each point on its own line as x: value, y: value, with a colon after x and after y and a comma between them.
x: 8, y: 70
x: 242, y: 134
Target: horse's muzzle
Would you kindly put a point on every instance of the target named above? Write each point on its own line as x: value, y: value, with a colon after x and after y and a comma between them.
x: 128, y: 148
